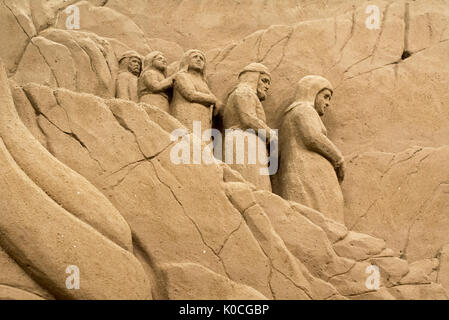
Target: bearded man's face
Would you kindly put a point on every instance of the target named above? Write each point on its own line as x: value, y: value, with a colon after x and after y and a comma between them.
x: 134, y: 66
x: 263, y: 86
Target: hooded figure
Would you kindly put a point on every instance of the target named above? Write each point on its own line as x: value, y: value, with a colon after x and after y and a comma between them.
x: 192, y: 98
x: 126, y: 84
x: 153, y: 85
x: 310, y: 164
x: 243, y: 117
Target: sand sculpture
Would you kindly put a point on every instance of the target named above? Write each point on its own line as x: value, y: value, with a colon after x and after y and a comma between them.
x: 154, y: 85
x: 244, y: 111
x: 130, y: 65
x: 93, y: 207
x: 311, y: 165
x: 192, y: 98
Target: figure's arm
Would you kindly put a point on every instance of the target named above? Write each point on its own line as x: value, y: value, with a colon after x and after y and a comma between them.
x: 316, y: 141
x: 242, y: 102
x: 122, y: 91
x: 151, y: 82
x: 187, y: 90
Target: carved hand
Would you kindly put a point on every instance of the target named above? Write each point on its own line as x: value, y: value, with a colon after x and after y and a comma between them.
x: 213, y: 99
x: 171, y: 78
x: 272, y: 136
x: 218, y: 108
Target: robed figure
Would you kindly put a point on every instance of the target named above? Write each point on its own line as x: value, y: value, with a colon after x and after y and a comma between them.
x: 311, y: 166
x: 192, y: 98
x: 246, y: 131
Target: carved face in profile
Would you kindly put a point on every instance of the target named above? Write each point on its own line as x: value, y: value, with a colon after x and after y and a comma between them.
x: 196, y: 61
x: 263, y: 86
x: 134, y: 65
x: 160, y: 63
x: 323, y: 101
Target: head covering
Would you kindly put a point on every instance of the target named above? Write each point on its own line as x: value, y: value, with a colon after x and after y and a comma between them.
x: 249, y: 76
x: 148, y: 60
x: 255, y: 67
x: 307, y: 89
x: 185, y: 61
x: 309, y: 86
x: 130, y: 54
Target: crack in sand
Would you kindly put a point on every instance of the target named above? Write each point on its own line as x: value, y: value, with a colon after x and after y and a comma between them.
x: 423, y: 205
x: 273, y: 46
x: 407, y: 25
x: 191, y: 219
x: 71, y: 134
x: 283, y: 51
x: 230, y: 235
x: 384, y: 20
x: 53, y: 72
x: 303, y: 289
x: 19, y: 59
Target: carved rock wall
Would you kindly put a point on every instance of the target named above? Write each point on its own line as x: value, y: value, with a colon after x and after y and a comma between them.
x: 184, y: 223
x: 389, y: 115
x: 190, y: 222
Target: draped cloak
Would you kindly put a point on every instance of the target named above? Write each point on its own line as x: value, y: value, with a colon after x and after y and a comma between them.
x: 305, y: 176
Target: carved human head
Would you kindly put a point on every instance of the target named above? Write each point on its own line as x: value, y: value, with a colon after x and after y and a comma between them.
x: 323, y: 101
x: 315, y: 90
x: 132, y: 62
x: 157, y: 60
x: 193, y: 60
x: 257, y: 75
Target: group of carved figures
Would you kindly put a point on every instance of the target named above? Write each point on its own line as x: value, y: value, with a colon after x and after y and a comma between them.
x: 310, y: 165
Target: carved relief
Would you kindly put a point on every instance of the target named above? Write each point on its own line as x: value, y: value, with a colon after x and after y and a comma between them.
x: 126, y: 84
x: 311, y: 166
x: 192, y: 98
x: 94, y: 206
x: 244, y: 111
x: 154, y: 86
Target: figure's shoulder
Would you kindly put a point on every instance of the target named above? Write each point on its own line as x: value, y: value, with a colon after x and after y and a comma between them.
x: 152, y: 74
x: 243, y: 90
x: 124, y: 78
x: 182, y: 76
x: 296, y: 108
x: 122, y: 75
x: 125, y: 75
x: 301, y: 108
x: 148, y: 72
